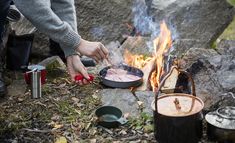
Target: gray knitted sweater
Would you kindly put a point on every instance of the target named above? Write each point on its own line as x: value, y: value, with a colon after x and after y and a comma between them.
x: 55, y: 18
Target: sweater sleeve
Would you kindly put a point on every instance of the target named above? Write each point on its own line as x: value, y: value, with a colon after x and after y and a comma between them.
x: 39, y: 12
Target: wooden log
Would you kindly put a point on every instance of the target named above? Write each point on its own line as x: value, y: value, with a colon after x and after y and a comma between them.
x: 170, y: 83
x: 148, y: 69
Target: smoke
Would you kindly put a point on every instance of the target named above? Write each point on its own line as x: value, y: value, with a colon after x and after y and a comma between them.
x: 115, y: 53
x: 144, y: 23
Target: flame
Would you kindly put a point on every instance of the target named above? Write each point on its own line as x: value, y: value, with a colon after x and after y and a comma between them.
x: 161, y: 45
x: 138, y: 61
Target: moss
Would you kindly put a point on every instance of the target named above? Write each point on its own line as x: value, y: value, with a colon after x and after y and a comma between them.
x: 214, y: 45
x: 229, y: 32
x: 232, y: 2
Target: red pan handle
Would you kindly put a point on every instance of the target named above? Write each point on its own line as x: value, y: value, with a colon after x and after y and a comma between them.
x: 81, y: 77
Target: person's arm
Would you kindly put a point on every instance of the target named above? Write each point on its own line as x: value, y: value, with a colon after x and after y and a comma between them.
x: 39, y: 12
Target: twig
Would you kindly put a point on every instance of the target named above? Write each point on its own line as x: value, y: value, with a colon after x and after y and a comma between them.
x: 107, y: 130
x: 73, y: 86
x: 36, y: 130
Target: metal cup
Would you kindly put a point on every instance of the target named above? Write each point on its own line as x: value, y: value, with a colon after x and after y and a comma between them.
x: 36, y: 85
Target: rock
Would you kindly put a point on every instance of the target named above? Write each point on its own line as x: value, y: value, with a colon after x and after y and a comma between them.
x: 216, y: 61
x: 195, y: 23
x: 103, y: 20
x: 227, y: 80
x: 147, y: 97
x: 136, y: 45
x: 226, y: 47
x: 121, y: 98
x: 53, y: 62
x: 194, y: 54
x: 206, y: 83
x: 207, y: 87
x: 55, y: 67
x: 212, y: 72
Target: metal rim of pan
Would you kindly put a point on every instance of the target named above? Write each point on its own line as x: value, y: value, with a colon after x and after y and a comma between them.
x: 117, y: 84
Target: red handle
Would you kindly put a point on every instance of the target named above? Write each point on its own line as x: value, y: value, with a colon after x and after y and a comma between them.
x: 81, y: 77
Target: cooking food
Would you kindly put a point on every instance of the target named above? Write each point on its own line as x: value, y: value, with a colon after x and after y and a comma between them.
x: 120, y: 75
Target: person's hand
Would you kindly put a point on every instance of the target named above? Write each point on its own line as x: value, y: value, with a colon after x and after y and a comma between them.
x: 95, y: 50
x: 75, y: 67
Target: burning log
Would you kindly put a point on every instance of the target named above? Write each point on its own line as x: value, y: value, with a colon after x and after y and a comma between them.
x: 148, y: 69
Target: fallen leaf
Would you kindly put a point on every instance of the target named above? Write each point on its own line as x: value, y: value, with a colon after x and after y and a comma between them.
x: 126, y: 115
x: 61, y: 85
x: 148, y: 128
x: 93, y: 141
x: 88, y: 126
x: 57, y: 126
x: 95, y: 96
x: 75, y: 99
x: 122, y: 132
x: 140, y: 103
x: 20, y: 99
x: 61, y: 140
x: 55, y: 117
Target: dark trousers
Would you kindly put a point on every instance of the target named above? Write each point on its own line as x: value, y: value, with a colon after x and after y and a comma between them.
x: 4, y: 7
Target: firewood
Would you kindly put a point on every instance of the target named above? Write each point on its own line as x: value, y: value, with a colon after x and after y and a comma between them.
x: 170, y: 83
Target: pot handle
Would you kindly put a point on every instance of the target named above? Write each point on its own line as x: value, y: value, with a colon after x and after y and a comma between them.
x: 168, y: 75
x: 122, y: 120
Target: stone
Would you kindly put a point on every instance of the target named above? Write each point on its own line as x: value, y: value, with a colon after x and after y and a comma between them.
x: 136, y: 45
x: 121, y: 98
x: 53, y: 62
x: 55, y: 67
x: 196, y: 23
x: 147, y: 97
x: 205, y: 79
x: 227, y: 80
x: 102, y: 20
x: 213, y: 72
x: 194, y: 54
x: 226, y: 47
x: 216, y: 61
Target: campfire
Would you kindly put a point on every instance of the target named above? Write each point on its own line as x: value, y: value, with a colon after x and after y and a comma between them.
x: 155, y: 66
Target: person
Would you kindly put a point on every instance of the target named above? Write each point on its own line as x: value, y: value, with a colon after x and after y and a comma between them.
x: 4, y: 7
x: 57, y: 19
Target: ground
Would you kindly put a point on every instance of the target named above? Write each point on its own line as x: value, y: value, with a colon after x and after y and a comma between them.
x: 65, y: 113
x: 66, y: 110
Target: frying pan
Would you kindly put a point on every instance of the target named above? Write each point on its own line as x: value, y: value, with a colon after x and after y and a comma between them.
x: 116, y: 84
x: 110, y: 117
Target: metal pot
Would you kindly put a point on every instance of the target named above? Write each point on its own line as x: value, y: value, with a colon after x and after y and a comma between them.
x: 177, y: 116
x: 115, y: 84
x: 110, y: 117
x: 221, y: 125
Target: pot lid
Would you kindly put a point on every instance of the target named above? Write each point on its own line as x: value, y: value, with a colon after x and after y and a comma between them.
x: 179, y: 105
x: 39, y: 67
x: 223, y: 117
